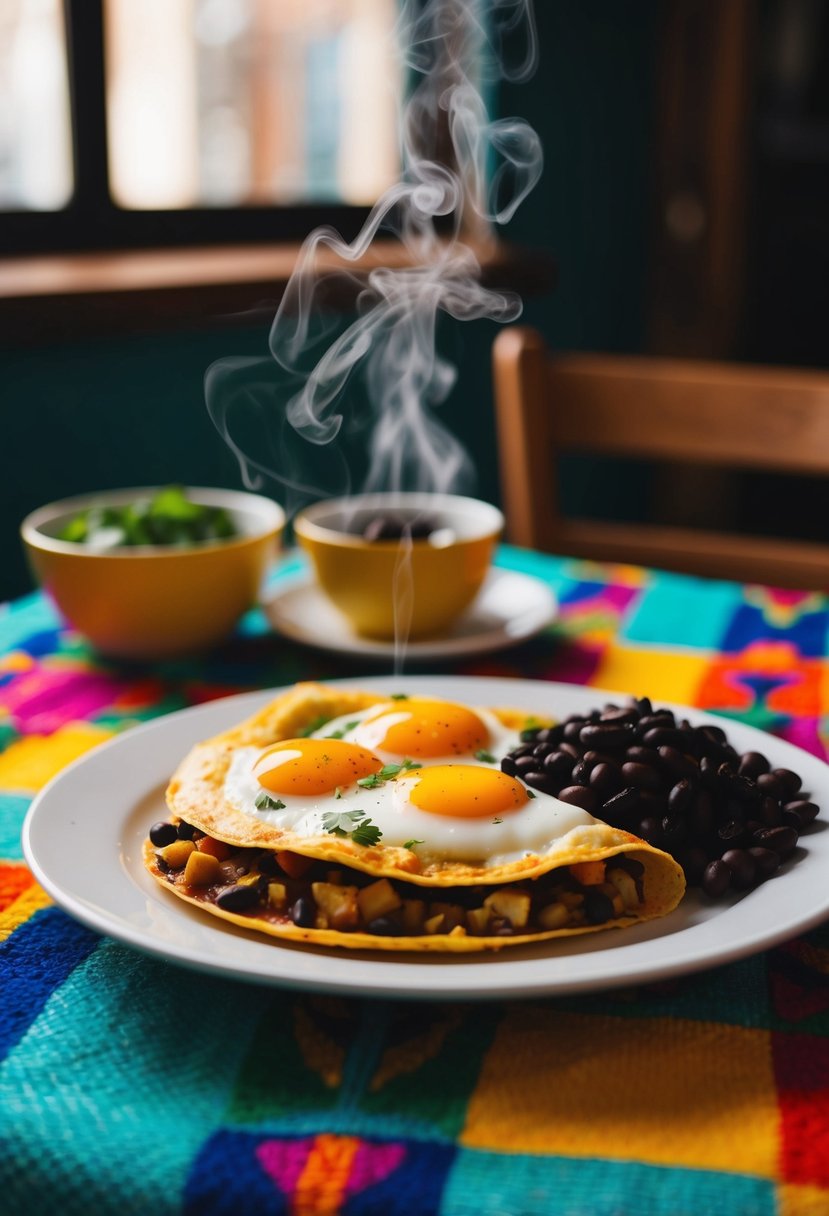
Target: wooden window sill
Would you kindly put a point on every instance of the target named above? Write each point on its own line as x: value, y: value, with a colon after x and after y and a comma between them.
x: 60, y: 297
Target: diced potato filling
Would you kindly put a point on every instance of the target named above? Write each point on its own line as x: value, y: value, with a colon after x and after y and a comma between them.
x: 293, y: 887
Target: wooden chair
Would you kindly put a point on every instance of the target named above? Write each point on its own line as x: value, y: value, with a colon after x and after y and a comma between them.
x: 708, y: 414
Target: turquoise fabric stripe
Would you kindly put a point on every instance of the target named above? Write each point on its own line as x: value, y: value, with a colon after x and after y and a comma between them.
x: 25, y: 617
x: 13, y: 808
x: 88, y: 1054
x: 688, y: 613
x: 490, y: 1184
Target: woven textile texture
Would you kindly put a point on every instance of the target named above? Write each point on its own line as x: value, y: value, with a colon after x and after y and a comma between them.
x: 130, y: 1085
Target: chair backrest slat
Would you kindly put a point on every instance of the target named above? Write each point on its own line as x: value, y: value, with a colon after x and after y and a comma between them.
x: 679, y: 411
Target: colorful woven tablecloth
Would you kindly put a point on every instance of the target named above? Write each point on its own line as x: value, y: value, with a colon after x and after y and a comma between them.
x: 130, y: 1085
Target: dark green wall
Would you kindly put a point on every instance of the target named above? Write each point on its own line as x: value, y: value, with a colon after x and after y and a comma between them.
x: 98, y: 414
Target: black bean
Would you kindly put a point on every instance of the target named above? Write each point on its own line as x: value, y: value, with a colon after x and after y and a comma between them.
x: 752, y: 764
x: 743, y: 868
x: 593, y: 757
x: 617, y: 715
x: 581, y: 772
x: 680, y: 797
x: 579, y: 795
x: 662, y: 718
x: 674, y: 831
x: 650, y: 829
x: 605, y: 779
x: 783, y: 839
x: 642, y: 705
x: 598, y: 907
x: 791, y: 819
x: 607, y: 735
x: 733, y: 834
x: 304, y: 912
x: 770, y: 812
x: 766, y: 861
x: 715, y: 733
x: 185, y: 831
x: 693, y: 861
x: 700, y: 814
x: 790, y: 781
x: 664, y: 736
x: 716, y: 879
x: 570, y: 749
x: 770, y: 785
x: 525, y: 764
x: 551, y: 734
x: 384, y: 926
x: 538, y: 779
x: 641, y: 776
x: 741, y: 788
x: 572, y: 730
x: 238, y: 898
x: 807, y: 811
x: 162, y: 834
x: 508, y: 766
x: 558, y: 764
x: 677, y: 763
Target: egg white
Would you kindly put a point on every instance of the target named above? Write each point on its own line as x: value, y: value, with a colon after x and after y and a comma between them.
x: 531, y: 829
x: 353, y: 729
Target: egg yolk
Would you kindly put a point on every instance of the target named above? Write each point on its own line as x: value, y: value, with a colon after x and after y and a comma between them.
x: 465, y: 791
x: 418, y: 727
x: 313, y: 766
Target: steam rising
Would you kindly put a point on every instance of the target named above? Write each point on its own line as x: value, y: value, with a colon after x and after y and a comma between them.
x: 461, y: 173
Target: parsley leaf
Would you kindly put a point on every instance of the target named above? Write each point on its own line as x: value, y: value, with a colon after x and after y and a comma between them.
x: 530, y: 793
x: 399, y: 696
x: 409, y: 844
x: 351, y: 823
x: 375, y: 780
x: 264, y: 802
x: 484, y: 756
x: 366, y: 834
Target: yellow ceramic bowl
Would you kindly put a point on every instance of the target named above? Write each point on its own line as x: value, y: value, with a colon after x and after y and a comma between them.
x: 154, y: 601
x: 423, y: 584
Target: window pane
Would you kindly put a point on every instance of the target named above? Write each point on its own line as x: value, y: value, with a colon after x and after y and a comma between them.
x: 233, y: 102
x: 35, y: 131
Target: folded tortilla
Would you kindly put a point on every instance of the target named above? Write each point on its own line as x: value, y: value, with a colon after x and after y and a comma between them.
x: 330, y: 891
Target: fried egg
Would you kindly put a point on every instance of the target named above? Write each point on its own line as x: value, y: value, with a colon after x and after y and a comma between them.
x: 426, y: 773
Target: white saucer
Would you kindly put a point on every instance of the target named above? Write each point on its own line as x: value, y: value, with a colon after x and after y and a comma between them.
x: 510, y: 608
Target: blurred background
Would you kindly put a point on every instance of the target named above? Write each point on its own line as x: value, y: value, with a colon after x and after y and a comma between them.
x: 160, y: 161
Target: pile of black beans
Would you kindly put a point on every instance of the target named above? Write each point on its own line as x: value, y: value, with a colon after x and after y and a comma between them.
x: 728, y: 819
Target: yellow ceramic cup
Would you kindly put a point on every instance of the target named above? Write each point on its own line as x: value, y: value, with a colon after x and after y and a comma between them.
x: 154, y: 601
x: 387, y: 588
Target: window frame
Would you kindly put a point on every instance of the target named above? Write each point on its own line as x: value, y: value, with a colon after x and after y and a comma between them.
x: 92, y: 221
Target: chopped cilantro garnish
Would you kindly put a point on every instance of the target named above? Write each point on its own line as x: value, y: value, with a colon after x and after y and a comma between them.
x: 410, y: 844
x: 530, y: 794
x: 497, y: 821
x: 339, y: 734
x: 375, y: 780
x: 264, y: 802
x: 317, y: 724
x: 353, y: 824
x: 338, y: 792
x: 484, y: 756
x: 399, y: 696
x: 366, y: 834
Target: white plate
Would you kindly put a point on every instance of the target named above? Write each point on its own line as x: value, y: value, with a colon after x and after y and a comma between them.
x: 83, y: 834
x: 509, y: 608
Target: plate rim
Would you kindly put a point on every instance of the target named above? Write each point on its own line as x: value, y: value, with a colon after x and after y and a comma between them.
x: 348, y: 973
x: 417, y: 651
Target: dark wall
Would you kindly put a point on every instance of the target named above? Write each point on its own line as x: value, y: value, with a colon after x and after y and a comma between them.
x: 99, y: 414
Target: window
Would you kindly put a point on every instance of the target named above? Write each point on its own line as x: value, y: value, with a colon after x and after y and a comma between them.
x: 193, y: 121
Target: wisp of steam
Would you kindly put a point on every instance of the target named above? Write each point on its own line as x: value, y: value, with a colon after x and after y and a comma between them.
x: 462, y: 172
